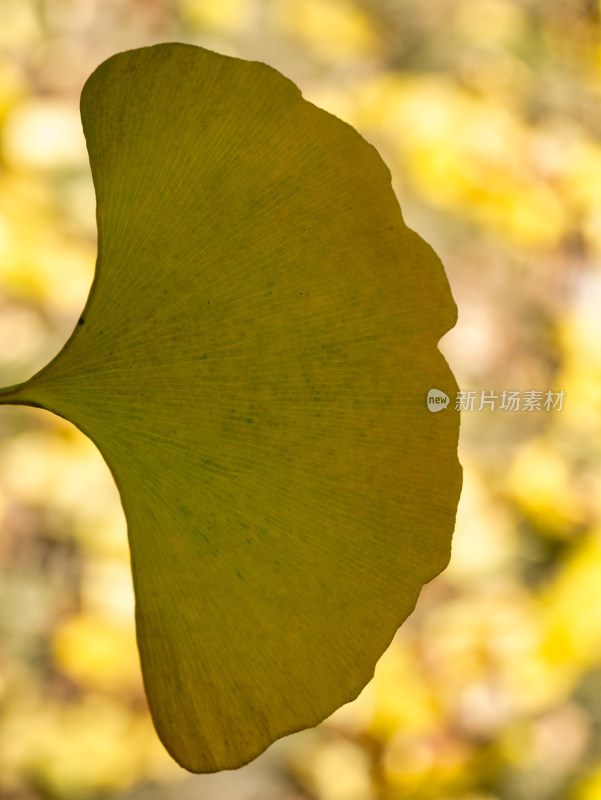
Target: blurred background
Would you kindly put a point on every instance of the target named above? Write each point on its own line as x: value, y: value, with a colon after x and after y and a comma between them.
x: 488, y: 114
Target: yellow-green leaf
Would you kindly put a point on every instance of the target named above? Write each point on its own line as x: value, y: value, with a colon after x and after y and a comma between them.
x: 253, y: 363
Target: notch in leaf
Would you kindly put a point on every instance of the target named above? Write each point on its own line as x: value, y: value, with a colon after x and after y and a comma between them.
x: 259, y: 341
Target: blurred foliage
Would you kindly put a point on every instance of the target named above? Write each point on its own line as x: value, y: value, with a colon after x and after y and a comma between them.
x: 488, y: 113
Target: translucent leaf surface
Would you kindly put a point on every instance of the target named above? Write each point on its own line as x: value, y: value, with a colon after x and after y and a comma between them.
x: 253, y: 364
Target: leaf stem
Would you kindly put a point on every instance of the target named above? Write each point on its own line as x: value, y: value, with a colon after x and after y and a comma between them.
x: 13, y: 395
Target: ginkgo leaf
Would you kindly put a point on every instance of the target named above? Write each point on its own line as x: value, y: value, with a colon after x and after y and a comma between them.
x: 253, y: 364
